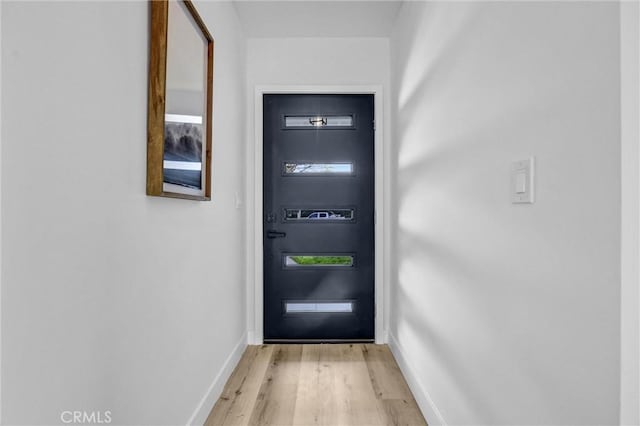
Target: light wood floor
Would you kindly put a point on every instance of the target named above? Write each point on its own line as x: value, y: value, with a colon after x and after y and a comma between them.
x: 331, y: 384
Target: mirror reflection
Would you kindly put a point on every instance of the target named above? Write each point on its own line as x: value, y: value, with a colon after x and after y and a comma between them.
x: 185, y: 109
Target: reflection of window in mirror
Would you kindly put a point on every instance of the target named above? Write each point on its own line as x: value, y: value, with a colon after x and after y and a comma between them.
x: 185, y: 109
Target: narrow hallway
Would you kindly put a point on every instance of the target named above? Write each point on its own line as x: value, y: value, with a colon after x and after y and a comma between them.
x: 491, y: 238
x: 320, y: 384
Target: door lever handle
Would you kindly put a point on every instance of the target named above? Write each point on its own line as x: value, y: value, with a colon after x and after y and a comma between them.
x: 276, y: 234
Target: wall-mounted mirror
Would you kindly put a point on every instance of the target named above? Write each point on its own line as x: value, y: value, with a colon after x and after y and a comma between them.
x: 180, y: 102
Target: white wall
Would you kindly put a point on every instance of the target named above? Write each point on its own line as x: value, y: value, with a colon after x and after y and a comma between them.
x: 111, y: 300
x: 306, y: 62
x: 1, y: 215
x: 630, y: 296
x: 508, y: 314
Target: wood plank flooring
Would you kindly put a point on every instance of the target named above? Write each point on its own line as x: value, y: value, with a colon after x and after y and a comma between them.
x: 329, y: 384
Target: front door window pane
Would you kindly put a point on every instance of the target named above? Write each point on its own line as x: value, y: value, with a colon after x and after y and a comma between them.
x: 305, y: 261
x: 318, y: 168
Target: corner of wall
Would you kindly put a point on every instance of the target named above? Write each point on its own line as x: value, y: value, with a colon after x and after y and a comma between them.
x: 0, y: 213
x: 249, y: 201
x: 630, y: 229
x: 199, y: 416
x: 429, y: 410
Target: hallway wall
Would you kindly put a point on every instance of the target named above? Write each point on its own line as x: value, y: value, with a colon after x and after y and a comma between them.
x: 111, y: 300
x: 508, y: 314
x: 630, y: 250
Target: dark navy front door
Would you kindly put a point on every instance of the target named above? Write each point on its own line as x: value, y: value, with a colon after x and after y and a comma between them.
x: 318, y: 217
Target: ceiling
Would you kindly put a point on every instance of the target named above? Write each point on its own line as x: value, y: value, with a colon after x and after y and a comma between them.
x: 317, y: 18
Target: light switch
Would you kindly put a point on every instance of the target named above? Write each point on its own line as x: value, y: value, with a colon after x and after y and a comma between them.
x: 522, y: 181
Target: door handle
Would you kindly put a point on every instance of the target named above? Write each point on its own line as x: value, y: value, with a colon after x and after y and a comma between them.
x: 276, y: 234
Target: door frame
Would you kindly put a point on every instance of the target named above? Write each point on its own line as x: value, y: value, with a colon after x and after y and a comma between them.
x: 255, y: 274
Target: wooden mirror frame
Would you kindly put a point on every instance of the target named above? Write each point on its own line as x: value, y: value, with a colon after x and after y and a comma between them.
x: 157, y: 100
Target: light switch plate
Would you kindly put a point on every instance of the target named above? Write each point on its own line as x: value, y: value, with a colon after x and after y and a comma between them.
x: 522, y: 183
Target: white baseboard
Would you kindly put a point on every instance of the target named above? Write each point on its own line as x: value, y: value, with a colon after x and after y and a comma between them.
x: 215, y: 390
x: 429, y: 410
